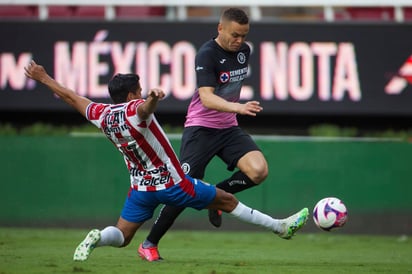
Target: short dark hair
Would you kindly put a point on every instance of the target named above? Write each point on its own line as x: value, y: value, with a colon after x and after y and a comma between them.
x: 120, y: 86
x: 237, y: 15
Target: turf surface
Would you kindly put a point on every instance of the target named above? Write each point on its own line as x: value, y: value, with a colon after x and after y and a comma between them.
x: 50, y: 251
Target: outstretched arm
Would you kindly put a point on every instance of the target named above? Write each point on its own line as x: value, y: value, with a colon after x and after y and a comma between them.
x: 149, y: 106
x: 38, y: 73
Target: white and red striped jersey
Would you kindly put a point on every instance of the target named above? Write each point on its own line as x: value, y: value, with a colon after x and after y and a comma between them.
x: 149, y: 156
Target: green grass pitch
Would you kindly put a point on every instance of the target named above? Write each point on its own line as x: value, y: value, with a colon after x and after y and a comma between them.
x: 24, y: 250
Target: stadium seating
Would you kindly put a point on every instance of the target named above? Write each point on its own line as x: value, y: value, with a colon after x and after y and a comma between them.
x: 32, y: 12
x: 95, y: 12
x: 19, y: 11
x: 80, y: 12
x: 90, y: 11
x: 371, y: 13
x: 61, y: 11
x: 407, y: 12
x: 133, y: 12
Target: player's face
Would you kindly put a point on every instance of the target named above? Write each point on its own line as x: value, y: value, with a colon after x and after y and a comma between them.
x: 232, y: 35
x: 135, y: 95
x: 138, y: 92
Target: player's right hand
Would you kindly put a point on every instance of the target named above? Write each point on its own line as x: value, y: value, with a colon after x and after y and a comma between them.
x: 35, y: 71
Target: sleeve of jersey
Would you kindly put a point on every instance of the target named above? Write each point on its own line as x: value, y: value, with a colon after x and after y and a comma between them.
x: 94, y: 112
x: 205, y: 69
x: 131, y: 109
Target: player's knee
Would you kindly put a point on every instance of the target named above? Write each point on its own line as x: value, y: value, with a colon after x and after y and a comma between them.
x: 258, y: 174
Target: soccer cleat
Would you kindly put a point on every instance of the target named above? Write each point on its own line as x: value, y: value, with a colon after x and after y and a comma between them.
x: 294, y: 223
x: 215, y: 217
x: 85, y: 248
x: 150, y: 254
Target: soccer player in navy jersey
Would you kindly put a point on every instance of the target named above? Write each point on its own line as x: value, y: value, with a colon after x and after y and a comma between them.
x: 156, y: 176
x: 211, y: 128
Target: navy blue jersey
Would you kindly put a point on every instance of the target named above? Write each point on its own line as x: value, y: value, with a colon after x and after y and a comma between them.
x: 223, y: 70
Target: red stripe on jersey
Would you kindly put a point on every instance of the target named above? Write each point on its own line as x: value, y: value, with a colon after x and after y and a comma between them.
x: 118, y: 135
x: 170, y: 183
x: 187, y: 187
x: 155, y: 128
x: 130, y: 192
x: 151, y: 188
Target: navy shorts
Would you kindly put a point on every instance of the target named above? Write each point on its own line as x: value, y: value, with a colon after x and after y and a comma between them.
x: 140, y: 205
x: 201, y: 144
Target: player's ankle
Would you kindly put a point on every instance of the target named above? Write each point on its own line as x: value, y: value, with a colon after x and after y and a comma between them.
x: 147, y: 244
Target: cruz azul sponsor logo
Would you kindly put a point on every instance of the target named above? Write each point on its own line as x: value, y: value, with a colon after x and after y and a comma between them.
x: 401, y: 80
x: 153, y: 177
x: 233, y: 75
x: 224, y: 77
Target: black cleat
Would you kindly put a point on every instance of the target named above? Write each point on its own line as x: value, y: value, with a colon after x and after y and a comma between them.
x: 215, y: 217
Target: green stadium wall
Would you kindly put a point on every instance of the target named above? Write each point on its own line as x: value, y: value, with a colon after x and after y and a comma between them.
x: 82, y: 181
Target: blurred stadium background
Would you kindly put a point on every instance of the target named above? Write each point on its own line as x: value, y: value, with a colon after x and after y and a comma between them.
x: 315, y: 62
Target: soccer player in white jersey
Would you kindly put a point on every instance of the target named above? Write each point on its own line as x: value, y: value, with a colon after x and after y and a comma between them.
x: 156, y: 176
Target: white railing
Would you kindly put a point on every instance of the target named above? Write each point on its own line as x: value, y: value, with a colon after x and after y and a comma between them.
x: 177, y: 9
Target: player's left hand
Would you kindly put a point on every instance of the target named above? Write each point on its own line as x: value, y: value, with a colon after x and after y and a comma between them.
x: 156, y: 93
x: 251, y: 108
